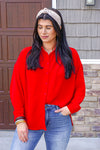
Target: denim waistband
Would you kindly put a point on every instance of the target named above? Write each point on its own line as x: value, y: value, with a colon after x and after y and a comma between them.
x: 51, y: 106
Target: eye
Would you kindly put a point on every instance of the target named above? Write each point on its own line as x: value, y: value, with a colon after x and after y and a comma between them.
x: 39, y: 27
x: 48, y: 28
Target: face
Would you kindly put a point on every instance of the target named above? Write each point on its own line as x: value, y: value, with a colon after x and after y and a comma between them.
x: 46, y: 31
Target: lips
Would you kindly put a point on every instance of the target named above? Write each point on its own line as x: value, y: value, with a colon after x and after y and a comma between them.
x: 44, y: 37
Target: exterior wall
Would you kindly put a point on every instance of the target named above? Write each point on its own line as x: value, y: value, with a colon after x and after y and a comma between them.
x: 87, y: 120
x: 82, y: 24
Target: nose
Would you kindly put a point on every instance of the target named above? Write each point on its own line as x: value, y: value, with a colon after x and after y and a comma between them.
x: 43, y: 31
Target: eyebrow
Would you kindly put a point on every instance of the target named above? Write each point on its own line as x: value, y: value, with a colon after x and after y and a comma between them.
x: 46, y: 25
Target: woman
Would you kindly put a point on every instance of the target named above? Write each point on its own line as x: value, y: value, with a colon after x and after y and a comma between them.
x: 47, y: 86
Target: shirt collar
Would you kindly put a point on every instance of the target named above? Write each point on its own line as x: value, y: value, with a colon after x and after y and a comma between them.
x: 43, y: 51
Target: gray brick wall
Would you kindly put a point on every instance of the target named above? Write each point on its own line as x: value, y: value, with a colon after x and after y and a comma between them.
x: 82, y: 24
x: 86, y: 122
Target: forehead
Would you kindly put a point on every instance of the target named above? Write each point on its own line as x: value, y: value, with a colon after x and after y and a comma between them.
x: 44, y: 22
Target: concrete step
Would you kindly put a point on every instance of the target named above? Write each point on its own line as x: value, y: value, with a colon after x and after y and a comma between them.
x: 74, y: 143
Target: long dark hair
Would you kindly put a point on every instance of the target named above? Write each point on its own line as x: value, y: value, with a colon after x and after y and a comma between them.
x: 61, y: 46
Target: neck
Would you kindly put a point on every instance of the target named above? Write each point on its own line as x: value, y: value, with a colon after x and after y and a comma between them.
x: 49, y: 47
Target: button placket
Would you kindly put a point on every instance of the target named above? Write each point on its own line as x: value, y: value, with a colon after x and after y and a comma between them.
x: 46, y: 79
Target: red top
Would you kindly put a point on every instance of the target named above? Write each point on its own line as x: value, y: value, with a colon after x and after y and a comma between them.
x: 30, y: 90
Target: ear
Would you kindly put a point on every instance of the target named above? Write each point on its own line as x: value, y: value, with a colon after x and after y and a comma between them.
x: 60, y: 27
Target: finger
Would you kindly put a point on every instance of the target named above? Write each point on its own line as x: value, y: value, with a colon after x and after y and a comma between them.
x: 58, y: 110
x: 26, y: 136
x: 22, y: 138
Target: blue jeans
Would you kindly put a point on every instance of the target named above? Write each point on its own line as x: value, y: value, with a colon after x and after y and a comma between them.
x: 56, y: 136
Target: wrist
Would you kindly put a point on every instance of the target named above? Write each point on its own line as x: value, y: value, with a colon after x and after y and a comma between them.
x: 20, y: 117
x: 68, y: 110
x: 20, y: 121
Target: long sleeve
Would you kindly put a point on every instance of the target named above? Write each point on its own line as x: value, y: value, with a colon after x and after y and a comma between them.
x: 79, y: 92
x: 16, y: 88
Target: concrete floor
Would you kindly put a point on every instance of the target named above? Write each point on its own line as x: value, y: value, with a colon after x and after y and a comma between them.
x: 74, y: 143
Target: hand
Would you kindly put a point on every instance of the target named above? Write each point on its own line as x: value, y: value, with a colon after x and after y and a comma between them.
x: 64, y: 110
x: 22, y: 130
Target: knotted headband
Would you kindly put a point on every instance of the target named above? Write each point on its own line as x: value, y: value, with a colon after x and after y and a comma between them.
x: 53, y: 14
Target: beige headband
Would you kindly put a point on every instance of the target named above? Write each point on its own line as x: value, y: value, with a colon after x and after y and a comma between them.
x: 53, y: 14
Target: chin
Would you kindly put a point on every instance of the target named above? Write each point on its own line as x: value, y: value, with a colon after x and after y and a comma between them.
x: 45, y: 40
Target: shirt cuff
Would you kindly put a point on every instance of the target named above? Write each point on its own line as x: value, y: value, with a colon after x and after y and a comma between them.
x: 21, y: 117
x: 73, y: 108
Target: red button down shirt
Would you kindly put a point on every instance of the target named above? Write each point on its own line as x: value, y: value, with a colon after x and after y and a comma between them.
x: 30, y: 90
